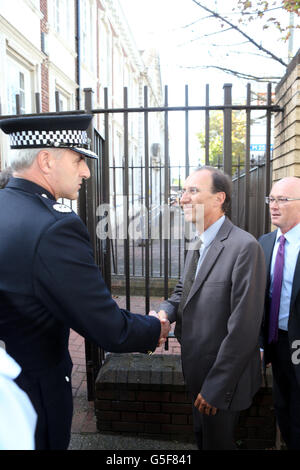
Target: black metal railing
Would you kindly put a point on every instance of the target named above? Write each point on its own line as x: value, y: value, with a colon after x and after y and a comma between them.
x: 125, y: 189
x: 163, y: 258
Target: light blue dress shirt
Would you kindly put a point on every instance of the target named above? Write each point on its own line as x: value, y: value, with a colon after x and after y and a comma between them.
x: 207, y: 237
x: 291, y: 251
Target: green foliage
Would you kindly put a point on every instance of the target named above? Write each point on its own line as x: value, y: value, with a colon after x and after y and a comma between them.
x: 251, y: 10
x: 292, y: 6
x: 216, y: 138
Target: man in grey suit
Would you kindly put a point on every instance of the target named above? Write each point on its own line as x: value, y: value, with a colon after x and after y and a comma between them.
x: 281, y: 325
x: 218, y: 312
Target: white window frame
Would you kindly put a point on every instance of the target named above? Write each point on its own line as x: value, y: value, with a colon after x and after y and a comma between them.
x: 88, y: 34
x: 14, y: 86
x: 60, y: 18
x: 64, y: 99
x: 118, y: 74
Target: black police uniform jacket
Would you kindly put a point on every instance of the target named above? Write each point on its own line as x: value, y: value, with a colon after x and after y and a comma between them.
x: 50, y: 283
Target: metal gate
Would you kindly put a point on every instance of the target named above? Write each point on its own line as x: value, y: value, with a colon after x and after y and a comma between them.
x: 162, y: 258
x: 128, y: 260
x: 251, y: 181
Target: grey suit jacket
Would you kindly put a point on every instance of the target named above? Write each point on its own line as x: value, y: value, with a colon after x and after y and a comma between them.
x: 221, y: 320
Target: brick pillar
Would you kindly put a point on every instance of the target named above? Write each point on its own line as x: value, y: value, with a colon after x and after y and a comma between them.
x: 145, y: 396
x: 286, y: 159
x: 44, y: 66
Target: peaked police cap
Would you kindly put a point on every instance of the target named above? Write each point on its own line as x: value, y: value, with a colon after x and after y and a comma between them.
x: 56, y: 131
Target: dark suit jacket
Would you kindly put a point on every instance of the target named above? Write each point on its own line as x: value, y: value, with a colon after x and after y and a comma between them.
x: 267, y: 242
x: 221, y: 320
x: 50, y: 283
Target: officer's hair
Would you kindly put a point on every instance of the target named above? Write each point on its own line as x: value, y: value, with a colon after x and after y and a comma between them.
x: 22, y: 159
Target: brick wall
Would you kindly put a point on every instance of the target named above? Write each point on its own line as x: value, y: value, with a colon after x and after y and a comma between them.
x: 44, y: 66
x: 146, y: 396
x: 286, y: 159
x: 257, y: 425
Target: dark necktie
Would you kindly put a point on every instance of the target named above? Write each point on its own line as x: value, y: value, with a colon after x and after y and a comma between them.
x: 188, y: 282
x: 276, y: 292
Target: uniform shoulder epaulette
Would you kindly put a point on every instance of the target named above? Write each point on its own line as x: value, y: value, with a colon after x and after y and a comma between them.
x: 57, y: 207
x: 62, y: 208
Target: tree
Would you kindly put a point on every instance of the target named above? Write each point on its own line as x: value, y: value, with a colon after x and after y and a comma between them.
x: 249, y: 11
x: 216, y: 138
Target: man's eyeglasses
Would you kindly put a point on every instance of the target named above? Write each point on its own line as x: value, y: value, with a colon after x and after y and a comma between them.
x: 189, y: 191
x: 280, y: 200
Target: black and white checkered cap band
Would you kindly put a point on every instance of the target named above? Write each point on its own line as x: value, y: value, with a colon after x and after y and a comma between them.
x: 61, y: 138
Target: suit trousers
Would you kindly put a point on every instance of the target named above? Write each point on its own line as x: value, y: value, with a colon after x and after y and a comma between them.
x: 215, y: 432
x: 286, y: 392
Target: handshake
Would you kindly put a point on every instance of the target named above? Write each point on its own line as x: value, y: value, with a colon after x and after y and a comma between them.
x: 164, y: 324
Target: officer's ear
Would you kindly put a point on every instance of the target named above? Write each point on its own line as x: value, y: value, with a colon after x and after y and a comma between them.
x: 45, y: 161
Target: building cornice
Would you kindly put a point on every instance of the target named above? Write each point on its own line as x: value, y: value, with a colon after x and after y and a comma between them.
x: 35, y: 10
x: 59, y: 73
x: 69, y: 48
x: 19, y: 43
x: 119, y: 23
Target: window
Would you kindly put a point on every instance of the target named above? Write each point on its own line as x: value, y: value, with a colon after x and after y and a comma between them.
x: 118, y: 75
x: 19, y: 83
x: 88, y: 48
x: 84, y: 28
x: 64, y: 100
x: 22, y: 91
x: 105, y: 55
x: 56, y: 16
x: 62, y: 11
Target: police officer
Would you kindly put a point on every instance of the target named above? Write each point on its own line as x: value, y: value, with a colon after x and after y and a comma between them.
x: 49, y: 281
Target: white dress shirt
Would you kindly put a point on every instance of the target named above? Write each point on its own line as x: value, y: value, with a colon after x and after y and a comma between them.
x: 17, y: 415
x: 291, y: 251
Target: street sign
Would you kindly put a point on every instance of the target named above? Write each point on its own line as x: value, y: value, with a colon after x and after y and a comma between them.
x: 259, y: 147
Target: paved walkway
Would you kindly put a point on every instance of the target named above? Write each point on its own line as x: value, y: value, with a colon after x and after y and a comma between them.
x: 84, y: 430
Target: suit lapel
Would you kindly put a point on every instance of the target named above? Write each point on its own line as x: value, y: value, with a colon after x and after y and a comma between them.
x: 268, y: 246
x: 296, y: 281
x: 211, y: 257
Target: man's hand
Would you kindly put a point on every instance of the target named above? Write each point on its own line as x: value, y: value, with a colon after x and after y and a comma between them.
x: 262, y: 358
x: 162, y: 315
x: 164, y: 324
x: 204, y: 407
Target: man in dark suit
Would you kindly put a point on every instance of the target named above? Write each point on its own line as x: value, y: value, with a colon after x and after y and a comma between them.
x: 218, y: 311
x: 49, y: 281
x: 281, y: 324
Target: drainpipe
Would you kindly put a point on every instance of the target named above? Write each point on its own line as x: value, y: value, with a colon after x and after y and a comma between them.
x: 78, y: 62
